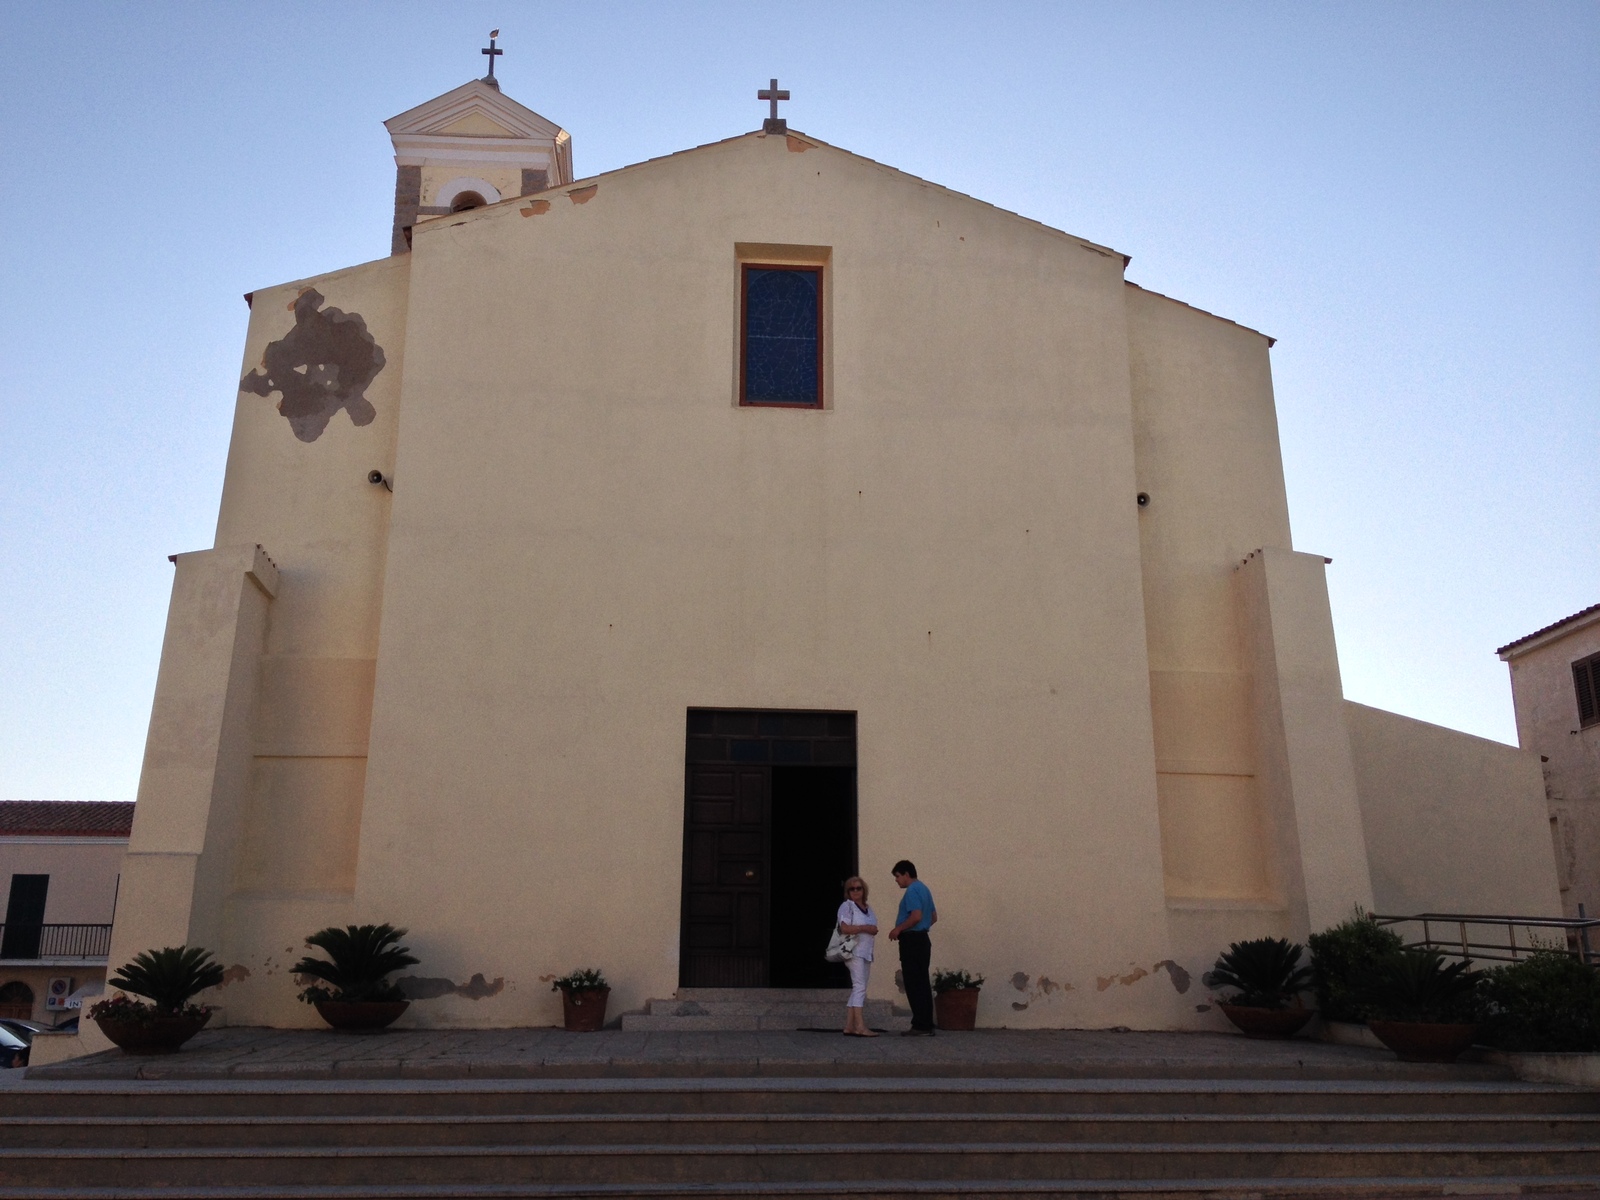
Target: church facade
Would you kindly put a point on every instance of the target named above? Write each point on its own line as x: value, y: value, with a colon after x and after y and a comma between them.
x: 622, y: 561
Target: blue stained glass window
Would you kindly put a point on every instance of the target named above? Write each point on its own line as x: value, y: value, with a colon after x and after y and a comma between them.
x: 782, y: 335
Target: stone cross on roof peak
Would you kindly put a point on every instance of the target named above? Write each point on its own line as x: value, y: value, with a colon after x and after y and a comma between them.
x: 493, y: 54
x: 773, y: 123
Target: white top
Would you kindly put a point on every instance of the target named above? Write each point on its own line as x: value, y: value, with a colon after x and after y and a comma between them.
x: 850, y: 913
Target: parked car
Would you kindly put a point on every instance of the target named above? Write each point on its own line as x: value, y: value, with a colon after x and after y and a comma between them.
x: 23, y: 1029
x: 13, y: 1050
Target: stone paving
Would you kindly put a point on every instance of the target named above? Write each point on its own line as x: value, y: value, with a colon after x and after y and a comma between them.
x: 251, y: 1053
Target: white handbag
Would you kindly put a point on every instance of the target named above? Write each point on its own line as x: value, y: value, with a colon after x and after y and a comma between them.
x: 841, y: 947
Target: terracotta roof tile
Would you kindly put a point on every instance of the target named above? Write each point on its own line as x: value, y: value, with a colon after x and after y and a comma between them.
x: 1583, y: 612
x: 65, y: 818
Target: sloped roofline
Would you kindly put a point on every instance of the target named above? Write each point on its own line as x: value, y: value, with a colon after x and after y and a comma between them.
x: 1593, y: 612
x: 66, y: 818
x: 1271, y: 341
x: 589, y: 180
x: 458, y: 100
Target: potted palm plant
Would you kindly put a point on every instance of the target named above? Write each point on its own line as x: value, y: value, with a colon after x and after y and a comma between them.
x: 169, y: 978
x: 955, y: 999
x: 1268, y: 979
x: 583, y: 999
x: 1420, y: 1006
x: 360, y: 997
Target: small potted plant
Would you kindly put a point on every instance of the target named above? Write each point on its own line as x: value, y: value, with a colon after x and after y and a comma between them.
x: 583, y: 999
x: 1269, y: 979
x: 955, y: 999
x: 361, y: 998
x: 169, y: 978
x: 1422, y: 1008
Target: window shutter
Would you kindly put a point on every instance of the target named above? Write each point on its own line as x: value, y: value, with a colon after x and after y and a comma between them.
x: 1584, y: 679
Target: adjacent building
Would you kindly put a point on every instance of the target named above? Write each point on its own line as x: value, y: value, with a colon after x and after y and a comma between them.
x: 1555, y: 685
x: 61, y: 865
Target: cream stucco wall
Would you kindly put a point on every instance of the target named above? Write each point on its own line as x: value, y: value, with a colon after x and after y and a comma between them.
x: 1547, y: 724
x: 950, y: 550
x: 1454, y: 823
x: 1208, y: 459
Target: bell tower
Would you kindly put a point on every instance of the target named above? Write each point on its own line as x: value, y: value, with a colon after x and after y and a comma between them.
x: 470, y: 147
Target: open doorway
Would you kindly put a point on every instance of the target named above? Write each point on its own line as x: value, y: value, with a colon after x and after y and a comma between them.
x: 769, y: 835
x: 813, y: 853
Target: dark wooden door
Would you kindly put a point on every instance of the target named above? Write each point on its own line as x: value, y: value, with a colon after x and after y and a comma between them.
x: 735, y: 761
x: 725, y: 877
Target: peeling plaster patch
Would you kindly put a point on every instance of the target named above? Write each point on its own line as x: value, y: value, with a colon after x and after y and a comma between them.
x: 900, y: 982
x: 583, y: 195
x: 478, y: 988
x: 1041, y: 989
x: 1179, y: 977
x: 535, y: 207
x: 321, y: 365
x: 796, y: 145
x: 416, y: 987
x: 1102, y: 982
x: 237, y: 973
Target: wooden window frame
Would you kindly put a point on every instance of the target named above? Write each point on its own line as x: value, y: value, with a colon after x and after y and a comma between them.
x: 1587, y: 670
x: 745, y: 267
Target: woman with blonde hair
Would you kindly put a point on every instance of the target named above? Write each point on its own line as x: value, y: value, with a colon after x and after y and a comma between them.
x: 856, y: 917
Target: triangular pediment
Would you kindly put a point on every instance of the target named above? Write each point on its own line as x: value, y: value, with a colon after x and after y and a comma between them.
x: 473, y: 110
x: 476, y: 124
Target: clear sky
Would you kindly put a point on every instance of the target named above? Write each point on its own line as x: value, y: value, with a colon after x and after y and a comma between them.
x: 1406, y: 195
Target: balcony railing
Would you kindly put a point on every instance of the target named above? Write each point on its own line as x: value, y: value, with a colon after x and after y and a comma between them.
x: 19, y: 941
x: 1494, y: 937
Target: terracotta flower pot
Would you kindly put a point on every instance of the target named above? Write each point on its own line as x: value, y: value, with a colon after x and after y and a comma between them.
x: 160, y: 1035
x: 1424, y: 1041
x: 361, y: 1016
x: 584, y: 1012
x: 1267, y: 1022
x: 956, y: 1009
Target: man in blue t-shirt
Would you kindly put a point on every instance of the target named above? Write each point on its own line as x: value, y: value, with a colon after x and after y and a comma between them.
x: 916, y: 916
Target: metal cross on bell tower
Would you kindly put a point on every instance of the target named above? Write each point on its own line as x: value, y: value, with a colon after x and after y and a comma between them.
x: 493, y: 54
x: 774, y: 123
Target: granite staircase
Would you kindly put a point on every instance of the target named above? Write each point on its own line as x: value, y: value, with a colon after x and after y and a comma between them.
x: 734, y: 1010
x: 878, y: 1138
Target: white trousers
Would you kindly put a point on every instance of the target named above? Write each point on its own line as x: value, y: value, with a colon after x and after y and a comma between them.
x: 860, y: 969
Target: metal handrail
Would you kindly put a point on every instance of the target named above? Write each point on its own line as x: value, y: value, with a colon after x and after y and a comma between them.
x: 30, y: 940
x: 1460, y: 943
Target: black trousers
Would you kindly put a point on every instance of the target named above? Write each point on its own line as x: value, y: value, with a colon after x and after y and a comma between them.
x: 916, y: 952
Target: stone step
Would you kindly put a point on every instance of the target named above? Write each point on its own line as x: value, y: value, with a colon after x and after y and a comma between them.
x: 709, y: 995
x: 825, y: 1020
x: 738, y: 1164
x: 456, y: 1129
x: 1308, y: 1188
x: 139, y: 1099
x: 834, y: 1009
x: 730, y: 1010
